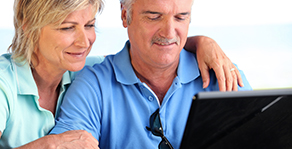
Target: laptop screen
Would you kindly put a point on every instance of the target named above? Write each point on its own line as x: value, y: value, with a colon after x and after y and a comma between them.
x: 244, y: 119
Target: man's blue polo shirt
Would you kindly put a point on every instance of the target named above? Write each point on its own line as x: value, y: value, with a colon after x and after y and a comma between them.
x: 109, y: 101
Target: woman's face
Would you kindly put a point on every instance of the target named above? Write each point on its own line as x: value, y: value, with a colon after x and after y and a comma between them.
x: 65, y: 47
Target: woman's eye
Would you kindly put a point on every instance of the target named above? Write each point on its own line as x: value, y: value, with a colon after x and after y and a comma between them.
x: 66, y: 28
x: 90, y: 25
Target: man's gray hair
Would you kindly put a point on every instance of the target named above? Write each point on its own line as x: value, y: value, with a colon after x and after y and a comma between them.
x: 127, y: 4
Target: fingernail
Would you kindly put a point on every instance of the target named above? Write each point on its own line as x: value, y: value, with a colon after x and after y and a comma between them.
x: 204, y: 84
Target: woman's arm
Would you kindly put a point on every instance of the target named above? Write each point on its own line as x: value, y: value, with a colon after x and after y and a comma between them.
x: 211, y: 56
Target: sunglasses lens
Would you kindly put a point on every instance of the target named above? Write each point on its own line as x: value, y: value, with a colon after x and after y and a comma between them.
x: 164, y: 145
x: 155, y: 124
x: 156, y: 129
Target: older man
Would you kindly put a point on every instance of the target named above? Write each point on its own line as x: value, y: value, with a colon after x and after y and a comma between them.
x: 140, y: 97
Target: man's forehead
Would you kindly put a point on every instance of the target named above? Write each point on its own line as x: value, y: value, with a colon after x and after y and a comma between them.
x: 178, y: 6
x: 151, y: 1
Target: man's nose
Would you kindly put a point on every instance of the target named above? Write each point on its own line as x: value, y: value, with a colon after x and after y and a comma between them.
x: 168, y: 29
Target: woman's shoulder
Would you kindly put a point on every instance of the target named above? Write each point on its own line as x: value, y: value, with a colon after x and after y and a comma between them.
x: 5, y: 61
x: 6, y: 66
x: 7, y: 79
x: 9, y: 68
x: 91, y: 60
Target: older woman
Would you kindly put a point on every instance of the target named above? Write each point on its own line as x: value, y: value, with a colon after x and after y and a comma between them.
x: 51, y: 42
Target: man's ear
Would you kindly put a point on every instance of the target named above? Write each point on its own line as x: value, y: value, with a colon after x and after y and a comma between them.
x: 124, y: 16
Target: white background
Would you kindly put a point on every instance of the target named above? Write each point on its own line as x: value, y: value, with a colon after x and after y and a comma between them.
x: 255, y: 34
x: 205, y: 12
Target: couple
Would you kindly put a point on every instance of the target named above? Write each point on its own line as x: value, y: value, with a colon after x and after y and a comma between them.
x: 114, y: 100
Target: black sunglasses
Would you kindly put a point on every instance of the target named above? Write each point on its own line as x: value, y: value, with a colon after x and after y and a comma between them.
x: 156, y: 129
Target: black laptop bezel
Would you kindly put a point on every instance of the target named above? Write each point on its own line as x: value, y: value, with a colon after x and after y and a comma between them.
x: 272, y: 95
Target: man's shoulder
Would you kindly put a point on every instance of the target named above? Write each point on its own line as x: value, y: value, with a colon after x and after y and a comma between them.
x: 105, y: 65
x: 98, y: 70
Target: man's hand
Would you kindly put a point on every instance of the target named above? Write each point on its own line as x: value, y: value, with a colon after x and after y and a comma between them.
x: 77, y: 139
x: 211, y: 56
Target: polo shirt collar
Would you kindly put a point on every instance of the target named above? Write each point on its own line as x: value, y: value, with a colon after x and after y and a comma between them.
x: 66, y: 79
x: 187, y: 69
x: 25, y: 82
x: 123, y: 67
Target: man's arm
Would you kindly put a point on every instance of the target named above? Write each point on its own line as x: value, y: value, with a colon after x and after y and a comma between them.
x: 71, y: 139
x: 211, y: 56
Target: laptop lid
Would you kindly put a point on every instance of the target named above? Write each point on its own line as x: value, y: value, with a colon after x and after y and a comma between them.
x: 243, y: 119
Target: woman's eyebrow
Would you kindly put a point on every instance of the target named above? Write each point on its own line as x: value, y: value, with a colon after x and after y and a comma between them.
x: 75, y: 23
x: 91, y: 20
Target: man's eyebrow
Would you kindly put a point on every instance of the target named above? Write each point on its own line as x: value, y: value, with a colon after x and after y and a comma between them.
x: 150, y: 12
x: 184, y: 13
x: 75, y: 23
x: 154, y: 12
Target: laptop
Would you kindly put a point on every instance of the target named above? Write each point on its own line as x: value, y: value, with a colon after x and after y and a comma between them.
x: 240, y: 120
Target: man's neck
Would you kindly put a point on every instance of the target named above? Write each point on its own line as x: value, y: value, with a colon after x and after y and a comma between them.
x: 158, y: 79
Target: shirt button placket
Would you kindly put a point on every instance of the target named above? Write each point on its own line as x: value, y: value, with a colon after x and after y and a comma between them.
x: 150, y: 98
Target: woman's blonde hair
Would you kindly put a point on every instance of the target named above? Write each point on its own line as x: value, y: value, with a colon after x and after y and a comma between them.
x: 30, y: 16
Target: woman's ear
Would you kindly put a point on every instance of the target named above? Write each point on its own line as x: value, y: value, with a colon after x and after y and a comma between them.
x: 124, y: 16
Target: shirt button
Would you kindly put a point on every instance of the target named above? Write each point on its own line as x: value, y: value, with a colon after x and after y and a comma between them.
x: 150, y: 98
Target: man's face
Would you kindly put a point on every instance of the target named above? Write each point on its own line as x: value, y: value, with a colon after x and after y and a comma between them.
x: 158, y: 31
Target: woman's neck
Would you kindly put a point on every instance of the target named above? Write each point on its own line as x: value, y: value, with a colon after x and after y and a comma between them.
x: 48, y: 84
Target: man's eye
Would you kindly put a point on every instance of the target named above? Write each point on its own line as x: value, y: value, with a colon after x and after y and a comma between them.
x: 181, y: 18
x: 153, y: 18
